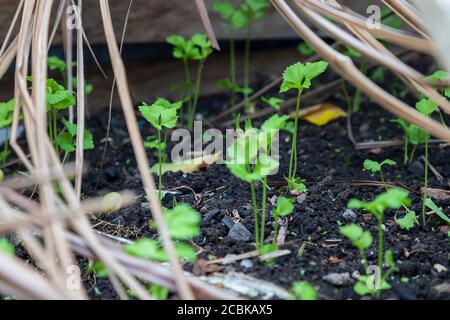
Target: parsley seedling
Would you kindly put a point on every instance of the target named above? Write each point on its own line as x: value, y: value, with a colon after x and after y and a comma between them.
x: 392, y: 199
x: 183, y: 224
x: 298, y: 77
x: 197, y: 48
x: 162, y: 114
x: 249, y: 161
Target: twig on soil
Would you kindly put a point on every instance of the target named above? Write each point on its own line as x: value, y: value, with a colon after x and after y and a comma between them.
x: 436, y: 173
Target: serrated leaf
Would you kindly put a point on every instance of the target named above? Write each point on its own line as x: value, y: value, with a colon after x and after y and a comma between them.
x: 360, y: 239
x: 182, y: 222
x: 284, y: 207
x: 426, y: 107
x: 408, y: 221
x: 159, y: 116
x: 224, y: 8
x: 55, y: 63
x: 65, y: 142
x: 146, y: 249
x: 274, y: 102
x: 305, y: 49
x: 299, y: 76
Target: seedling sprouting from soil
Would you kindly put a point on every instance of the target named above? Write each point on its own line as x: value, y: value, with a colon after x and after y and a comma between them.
x: 183, y: 223
x: 298, y: 77
x: 248, y: 13
x: 250, y: 161
x: 284, y: 207
x: 392, y: 199
x: 56, y: 64
x: 198, y: 48
x: 231, y: 17
x: 376, y: 167
x: 67, y: 140
x: 162, y: 114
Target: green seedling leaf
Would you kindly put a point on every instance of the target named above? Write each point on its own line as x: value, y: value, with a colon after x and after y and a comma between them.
x: 362, y: 289
x: 299, y: 76
x: 296, y: 184
x: 389, y: 259
x: 408, y: 221
x: 394, y: 198
x: 99, y: 269
x: 159, y: 116
x: 6, y: 113
x: 182, y: 222
x: 155, y: 144
x: 274, y: 102
x: 274, y: 123
x: 55, y: 63
x: 426, y: 107
x: 67, y: 140
x: 158, y: 292
x: 6, y: 247
x: 353, y: 53
x: 225, y: 9
x: 432, y: 206
x: 360, y: 239
x: 146, y: 249
x: 304, y: 291
x: 441, y: 75
x: 305, y: 49
x: 289, y: 127
x: 374, y: 166
x: 416, y: 135
x: 378, y: 75
x: 284, y: 207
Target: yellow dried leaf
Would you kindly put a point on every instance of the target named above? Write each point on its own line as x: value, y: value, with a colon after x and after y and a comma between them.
x: 187, y: 166
x: 322, y: 114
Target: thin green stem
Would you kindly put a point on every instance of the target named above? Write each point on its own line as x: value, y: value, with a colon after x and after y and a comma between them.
x: 364, y: 260
x: 160, y: 167
x: 255, y: 213
x: 380, y: 244
x: 405, y: 150
x: 5, y: 146
x: 382, y: 180
x: 263, y: 212
x: 293, y: 160
x: 425, y: 193
x: 55, y: 129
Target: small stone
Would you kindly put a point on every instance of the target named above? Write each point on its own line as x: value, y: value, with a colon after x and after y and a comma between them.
x: 367, y: 217
x: 349, y: 215
x: 301, y: 198
x: 247, y: 264
x: 228, y: 222
x: 338, y: 279
x: 239, y: 233
x: 439, y: 267
x: 416, y: 168
x: 211, y: 214
x: 443, y: 288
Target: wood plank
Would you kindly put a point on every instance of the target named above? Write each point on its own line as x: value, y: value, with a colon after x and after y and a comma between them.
x: 154, y: 20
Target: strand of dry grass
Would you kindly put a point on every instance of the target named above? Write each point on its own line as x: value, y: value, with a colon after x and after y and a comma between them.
x: 139, y: 151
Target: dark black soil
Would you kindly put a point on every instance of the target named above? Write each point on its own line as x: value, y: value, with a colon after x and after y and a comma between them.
x: 329, y: 163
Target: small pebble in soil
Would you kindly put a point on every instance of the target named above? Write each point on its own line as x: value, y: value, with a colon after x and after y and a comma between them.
x: 247, y: 264
x: 210, y: 214
x: 338, y: 279
x: 301, y: 198
x: 416, y: 168
x: 238, y: 233
x: 349, y: 215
